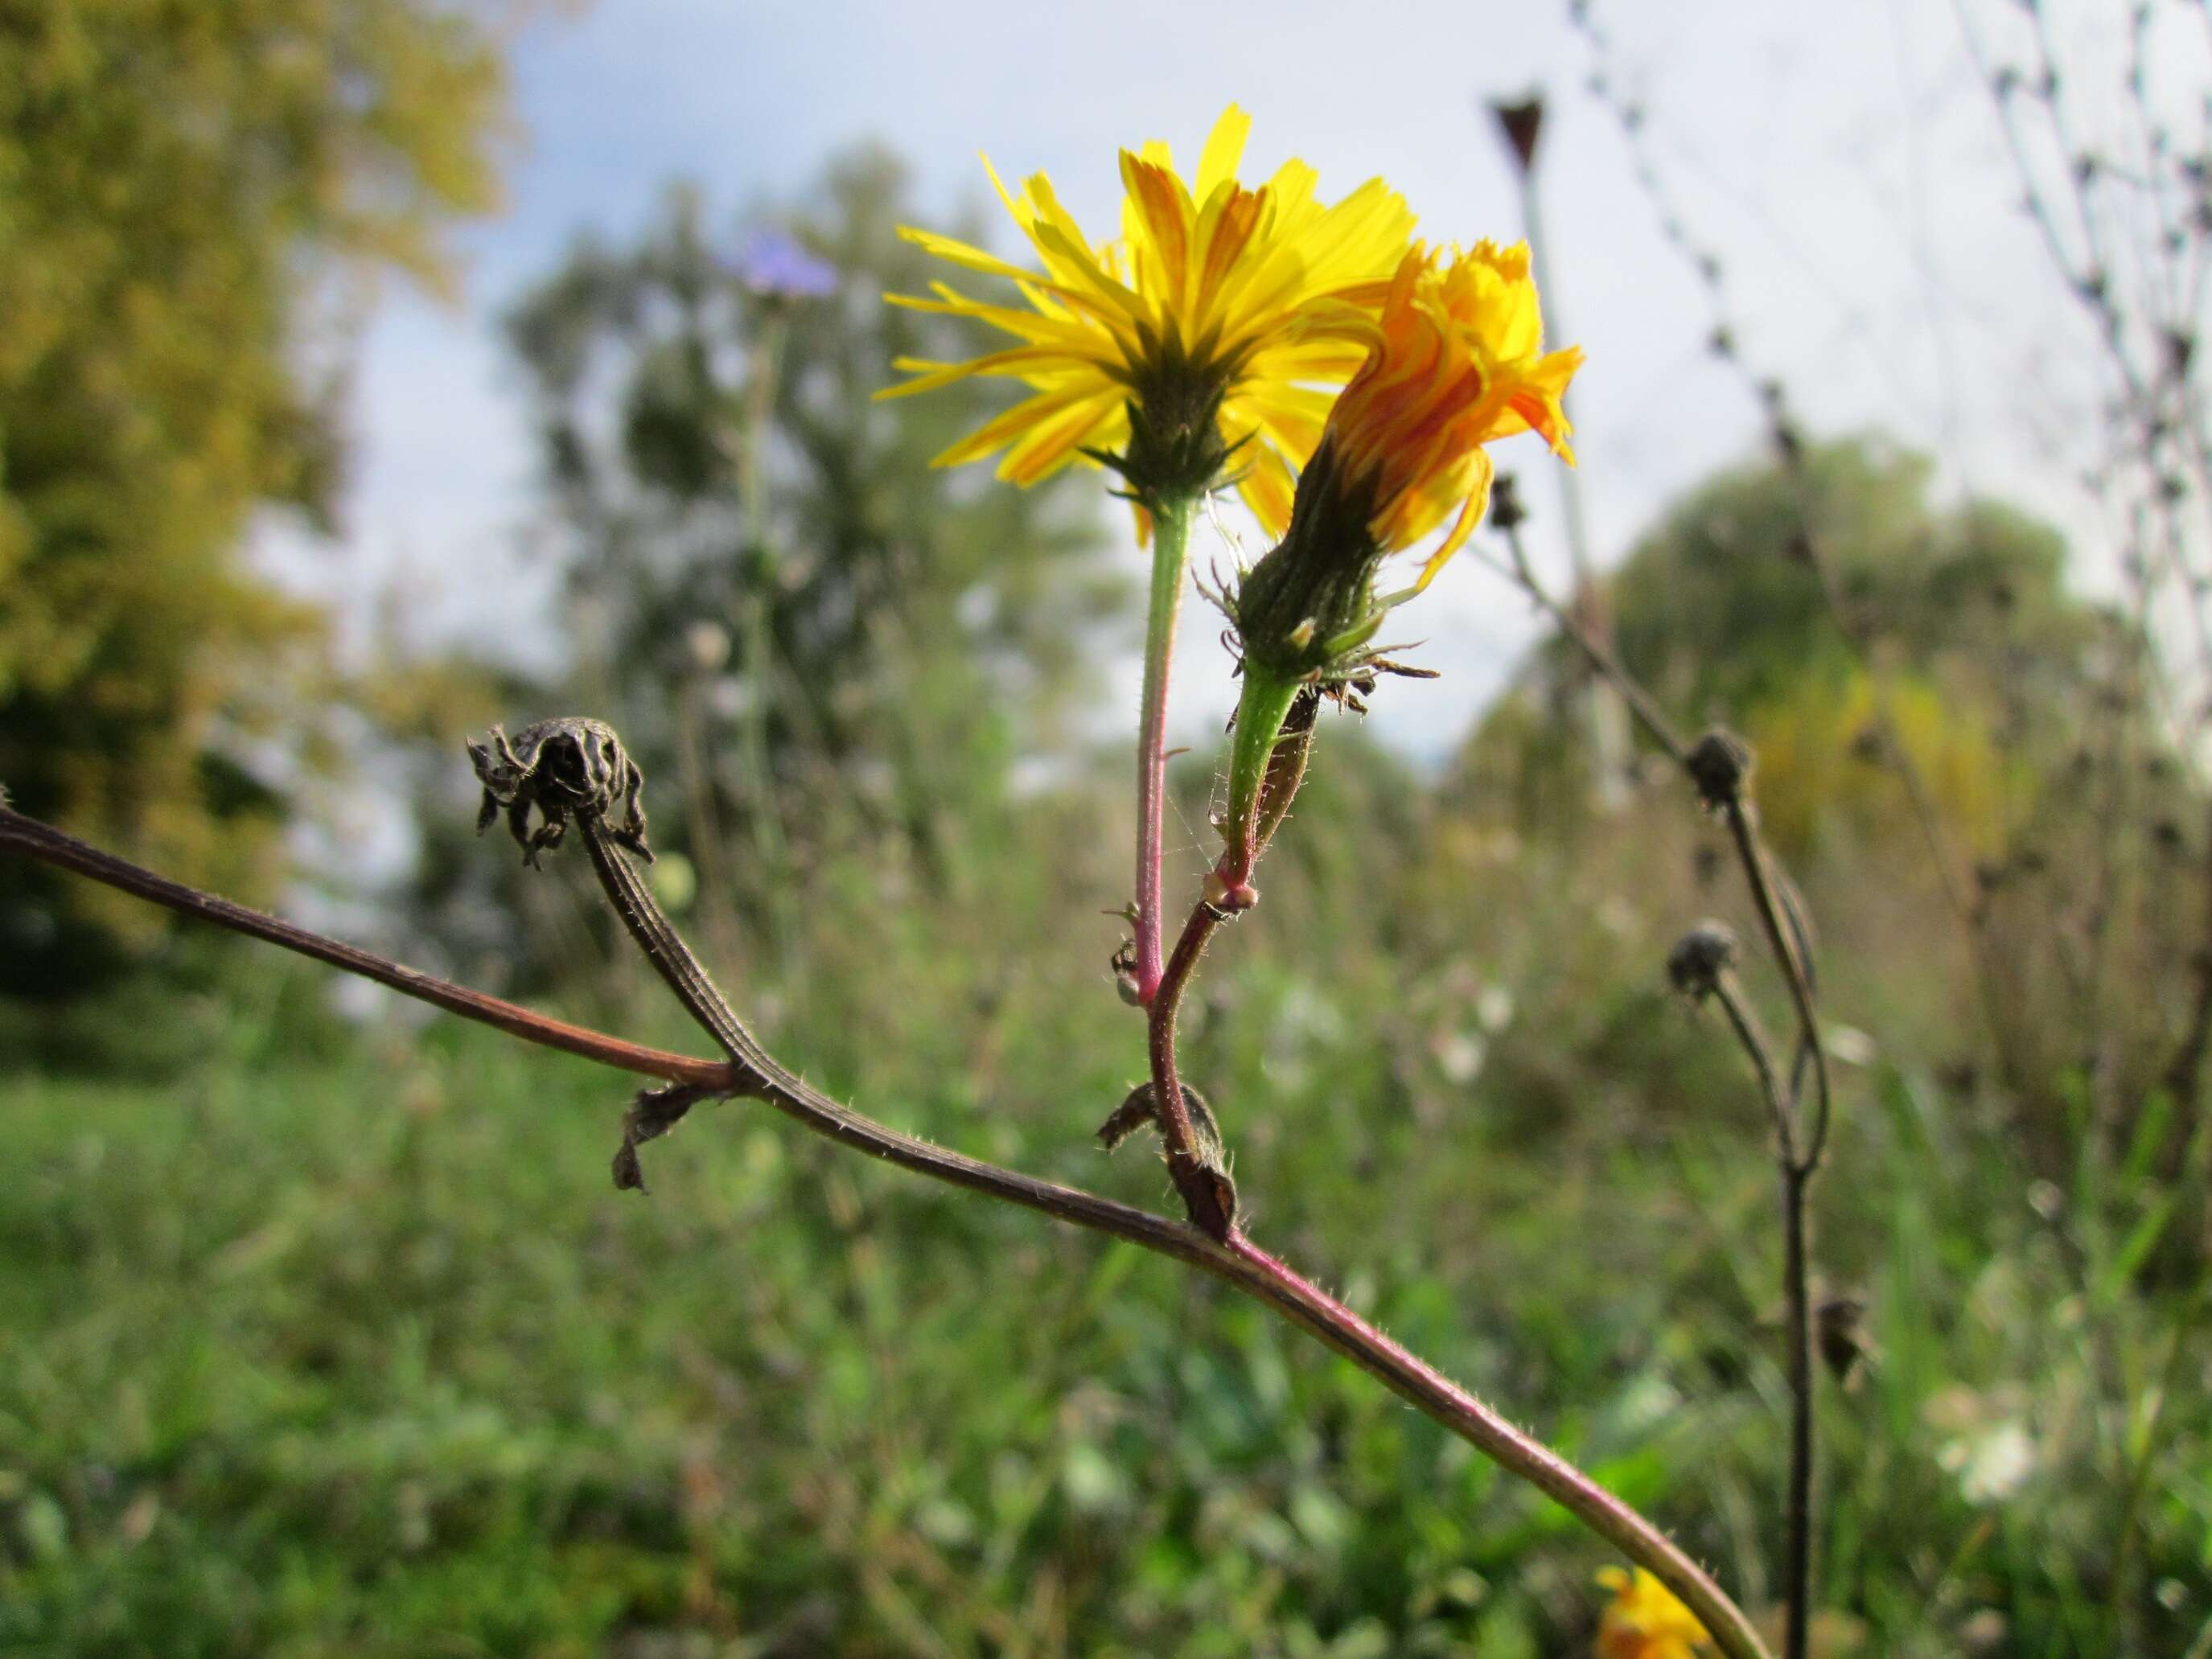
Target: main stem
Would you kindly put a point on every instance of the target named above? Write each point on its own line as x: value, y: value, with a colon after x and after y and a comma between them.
x: 1170, y: 556
x: 751, y: 1070
x: 1230, y: 1256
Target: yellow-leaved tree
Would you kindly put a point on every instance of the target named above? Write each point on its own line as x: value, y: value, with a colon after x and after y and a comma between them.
x: 186, y: 191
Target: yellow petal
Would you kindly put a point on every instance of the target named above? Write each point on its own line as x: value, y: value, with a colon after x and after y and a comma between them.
x: 1224, y: 148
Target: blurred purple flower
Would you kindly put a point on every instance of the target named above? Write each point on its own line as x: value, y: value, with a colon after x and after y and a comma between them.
x: 775, y: 267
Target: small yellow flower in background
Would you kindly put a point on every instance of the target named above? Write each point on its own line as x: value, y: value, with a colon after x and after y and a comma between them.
x: 1222, y: 318
x: 1646, y: 1621
x: 1460, y: 363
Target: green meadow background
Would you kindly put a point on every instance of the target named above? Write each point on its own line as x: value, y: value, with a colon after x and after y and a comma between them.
x: 324, y: 1331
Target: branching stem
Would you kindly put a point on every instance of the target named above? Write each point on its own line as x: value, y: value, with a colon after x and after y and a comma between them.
x: 751, y: 1070
x: 1284, y: 766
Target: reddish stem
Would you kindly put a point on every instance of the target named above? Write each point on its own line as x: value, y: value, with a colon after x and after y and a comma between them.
x: 51, y: 846
x: 1435, y: 1395
x: 752, y: 1071
x: 1286, y: 766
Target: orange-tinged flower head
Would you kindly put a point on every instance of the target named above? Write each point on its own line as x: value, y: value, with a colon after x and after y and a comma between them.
x: 1644, y: 1621
x: 1214, y: 327
x: 1459, y: 362
x: 1456, y: 360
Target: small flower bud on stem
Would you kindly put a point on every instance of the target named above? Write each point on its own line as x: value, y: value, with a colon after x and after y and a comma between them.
x: 1262, y: 711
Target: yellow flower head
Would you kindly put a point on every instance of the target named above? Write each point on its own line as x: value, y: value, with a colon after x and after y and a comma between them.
x: 1459, y: 362
x: 1221, y: 316
x: 1455, y: 360
x: 1646, y: 1621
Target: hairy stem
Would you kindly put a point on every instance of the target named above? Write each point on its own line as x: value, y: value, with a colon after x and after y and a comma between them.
x: 1232, y: 1257
x: 752, y: 1072
x: 1285, y: 764
x: 1437, y: 1397
x: 1171, y: 520
x: 48, y: 845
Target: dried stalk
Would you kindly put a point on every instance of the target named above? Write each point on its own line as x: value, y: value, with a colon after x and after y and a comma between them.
x: 1717, y: 765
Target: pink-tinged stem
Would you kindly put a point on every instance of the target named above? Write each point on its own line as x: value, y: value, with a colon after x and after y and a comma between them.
x: 1171, y: 553
x: 1435, y: 1395
x: 751, y: 1070
x: 42, y: 842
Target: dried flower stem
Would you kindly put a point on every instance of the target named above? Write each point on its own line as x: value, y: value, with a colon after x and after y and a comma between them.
x: 1786, y: 937
x: 751, y: 1070
x: 1711, y: 274
x: 1593, y: 651
x: 1796, y: 1173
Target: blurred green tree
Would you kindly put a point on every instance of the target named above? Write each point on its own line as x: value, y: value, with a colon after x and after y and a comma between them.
x: 1720, y: 612
x: 191, y: 195
x: 1990, y: 664
x: 770, y: 587
x: 2038, y: 844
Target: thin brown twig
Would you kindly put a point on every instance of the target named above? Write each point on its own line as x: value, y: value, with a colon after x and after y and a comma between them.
x: 1785, y: 938
x: 1717, y: 766
x: 752, y: 1072
x: 1784, y: 926
x: 1796, y: 1171
x: 1751, y: 1035
x: 2160, y: 404
x: 1711, y: 274
x: 1506, y: 513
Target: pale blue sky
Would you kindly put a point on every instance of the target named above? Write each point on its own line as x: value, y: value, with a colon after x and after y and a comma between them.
x: 1839, y: 155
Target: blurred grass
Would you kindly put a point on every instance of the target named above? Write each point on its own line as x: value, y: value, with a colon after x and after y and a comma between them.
x: 362, y: 1355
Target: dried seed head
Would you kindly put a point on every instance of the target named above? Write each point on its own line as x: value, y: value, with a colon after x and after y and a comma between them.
x: 1845, y: 1347
x: 1522, y: 121
x: 565, y: 767
x: 1720, y: 765
x: 1698, y: 959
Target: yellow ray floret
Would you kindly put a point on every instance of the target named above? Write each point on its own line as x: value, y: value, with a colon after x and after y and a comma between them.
x: 1646, y: 1621
x: 1459, y: 362
x: 1262, y: 298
